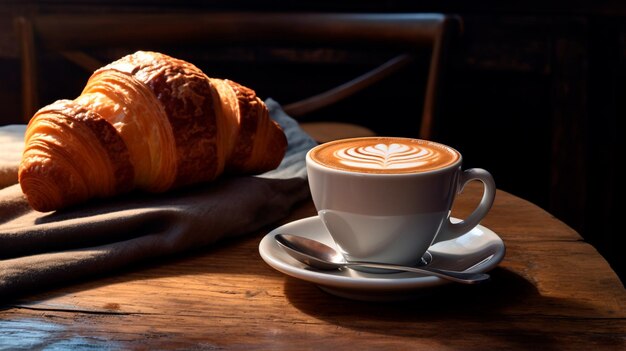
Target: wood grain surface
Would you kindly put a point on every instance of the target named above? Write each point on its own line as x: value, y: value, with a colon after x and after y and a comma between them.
x: 552, y: 291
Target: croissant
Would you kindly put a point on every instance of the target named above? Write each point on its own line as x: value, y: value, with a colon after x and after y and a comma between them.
x: 147, y: 121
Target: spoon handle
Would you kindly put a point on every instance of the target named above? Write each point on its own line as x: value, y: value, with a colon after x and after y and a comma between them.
x: 459, y: 277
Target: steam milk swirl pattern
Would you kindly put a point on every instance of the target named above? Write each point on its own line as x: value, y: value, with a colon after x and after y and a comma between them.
x: 386, y: 156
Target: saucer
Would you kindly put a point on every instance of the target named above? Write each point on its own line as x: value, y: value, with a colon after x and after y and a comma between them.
x: 464, y: 253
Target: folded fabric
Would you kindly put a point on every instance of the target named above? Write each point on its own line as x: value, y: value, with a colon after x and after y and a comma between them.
x: 12, y: 143
x: 40, y: 250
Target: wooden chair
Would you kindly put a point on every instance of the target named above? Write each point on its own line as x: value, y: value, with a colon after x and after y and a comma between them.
x: 72, y: 36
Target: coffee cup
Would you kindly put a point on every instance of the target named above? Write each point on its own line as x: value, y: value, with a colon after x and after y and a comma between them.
x: 388, y: 199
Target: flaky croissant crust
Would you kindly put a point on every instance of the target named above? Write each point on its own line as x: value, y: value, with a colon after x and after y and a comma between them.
x: 147, y: 121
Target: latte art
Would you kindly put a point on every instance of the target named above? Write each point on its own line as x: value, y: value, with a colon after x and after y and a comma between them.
x: 385, y: 155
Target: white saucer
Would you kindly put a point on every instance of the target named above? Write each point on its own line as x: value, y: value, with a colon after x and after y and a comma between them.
x: 461, y: 254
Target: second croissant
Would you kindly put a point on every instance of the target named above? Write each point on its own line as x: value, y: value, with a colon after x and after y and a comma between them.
x: 147, y: 121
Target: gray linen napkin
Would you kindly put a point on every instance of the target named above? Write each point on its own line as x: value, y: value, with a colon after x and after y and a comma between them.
x: 39, y: 250
x: 11, y: 146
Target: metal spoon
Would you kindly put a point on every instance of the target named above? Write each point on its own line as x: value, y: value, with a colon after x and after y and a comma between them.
x: 318, y: 255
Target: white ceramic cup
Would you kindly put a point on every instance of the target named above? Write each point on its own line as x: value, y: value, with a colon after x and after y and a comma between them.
x: 390, y: 214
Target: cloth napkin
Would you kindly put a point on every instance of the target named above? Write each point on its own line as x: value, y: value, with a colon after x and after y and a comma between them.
x: 11, y: 146
x: 40, y: 250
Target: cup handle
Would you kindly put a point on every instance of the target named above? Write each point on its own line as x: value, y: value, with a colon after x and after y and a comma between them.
x: 454, y: 230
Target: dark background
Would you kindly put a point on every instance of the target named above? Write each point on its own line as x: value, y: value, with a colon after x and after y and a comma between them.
x: 535, y: 93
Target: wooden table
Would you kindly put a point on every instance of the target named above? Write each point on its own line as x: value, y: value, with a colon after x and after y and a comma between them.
x: 553, y: 291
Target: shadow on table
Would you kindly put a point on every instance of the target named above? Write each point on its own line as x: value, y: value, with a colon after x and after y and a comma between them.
x: 461, y: 315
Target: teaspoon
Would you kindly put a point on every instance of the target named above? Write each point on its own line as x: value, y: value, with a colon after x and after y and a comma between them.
x: 318, y: 255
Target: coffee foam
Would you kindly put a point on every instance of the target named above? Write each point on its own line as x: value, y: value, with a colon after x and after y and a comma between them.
x: 384, y: 155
